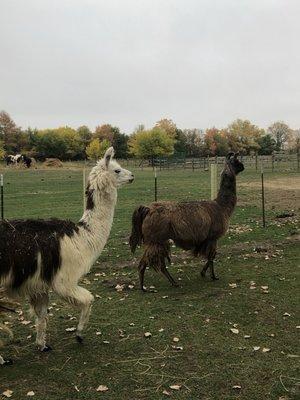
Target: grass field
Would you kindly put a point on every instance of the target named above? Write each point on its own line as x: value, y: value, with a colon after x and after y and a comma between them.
x: 257, y: 294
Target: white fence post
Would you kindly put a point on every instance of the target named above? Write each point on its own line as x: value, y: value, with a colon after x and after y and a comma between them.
x: 213, y: 181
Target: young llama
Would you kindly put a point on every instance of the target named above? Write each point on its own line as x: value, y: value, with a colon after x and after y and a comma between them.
x: 192, y: 225
x: 41, y: 255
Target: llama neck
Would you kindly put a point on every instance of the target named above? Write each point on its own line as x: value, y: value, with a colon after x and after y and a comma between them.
x: 226, y: 197
x: 96, y: 222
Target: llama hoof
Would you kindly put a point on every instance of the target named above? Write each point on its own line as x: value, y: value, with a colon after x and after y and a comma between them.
x: 79, y: 339
x: 46, y: 348
x: 8, y: 362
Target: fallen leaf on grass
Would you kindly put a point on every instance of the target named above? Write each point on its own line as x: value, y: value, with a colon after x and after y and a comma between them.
x: 25, y: 322
x: 256, y: 348
x: 175, y: 339
x: 286, y: 314
x: 266, y: 350
x: 147, y: 334
x: 7, y: 393
x: 102, y: 388
x: 235, y: 331
x: 292, y: 356
x: 175, y: 387
x: 31, y: 393
x: 166, y: 393
x: 237, y: 387
x: 232, y: 285
x: 247, y: 336
x: 73, y: 329
x: 178, y: 348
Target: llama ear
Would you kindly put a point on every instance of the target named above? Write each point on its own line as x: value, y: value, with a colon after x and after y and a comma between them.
x: 229, y: 155
x: 108, y: 155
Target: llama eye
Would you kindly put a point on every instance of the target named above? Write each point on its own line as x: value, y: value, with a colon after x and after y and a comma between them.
x: 117, y: 171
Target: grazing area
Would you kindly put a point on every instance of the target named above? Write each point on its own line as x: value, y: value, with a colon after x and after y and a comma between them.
x: 235, y: 338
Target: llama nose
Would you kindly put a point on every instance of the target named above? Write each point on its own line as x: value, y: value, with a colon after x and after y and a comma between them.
x: 132, y: 178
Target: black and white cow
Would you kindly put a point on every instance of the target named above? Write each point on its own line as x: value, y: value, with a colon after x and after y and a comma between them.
x: 17, y: 159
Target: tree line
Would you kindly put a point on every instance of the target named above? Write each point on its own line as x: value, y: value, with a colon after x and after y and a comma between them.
x: 164, y: 139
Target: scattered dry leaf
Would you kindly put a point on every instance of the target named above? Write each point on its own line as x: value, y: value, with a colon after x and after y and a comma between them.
x: 175, y: 387
x: 266, y: 350
x: 256, y: 348
x: 73, y: 329
x: 166, y: 393
x: 147, y: 334
x: 234, y: 330
x: 102, y: 388
x: 7, y: 393
x: 237, y: 387
x: 175, y: 339
x: 31, y: 393
x: 232, y: 285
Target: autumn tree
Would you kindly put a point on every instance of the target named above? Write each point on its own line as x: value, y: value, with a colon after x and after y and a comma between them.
x: 151, y: 144
x: 105, y: 131
x: 85, y: 135
x: 243, y: 136
x: 9, y: 133
x: 281, y: 132
x: 2, y: 151
x: 168, y: 126
x: 96, y: 149
x: 194, y: 142
x: 63, y: 143
x: 216, y: 142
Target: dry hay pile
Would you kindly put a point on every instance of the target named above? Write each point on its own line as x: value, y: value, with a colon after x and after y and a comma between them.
x: 53, y: 163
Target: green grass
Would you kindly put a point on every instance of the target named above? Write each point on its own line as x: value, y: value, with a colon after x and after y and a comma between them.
x: 200, y: 313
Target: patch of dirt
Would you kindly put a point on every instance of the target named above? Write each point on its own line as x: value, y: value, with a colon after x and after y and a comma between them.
x: 288, y: 183
x: 280, y: 193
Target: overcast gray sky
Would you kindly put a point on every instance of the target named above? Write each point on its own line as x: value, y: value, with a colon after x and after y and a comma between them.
x: 201, y: 63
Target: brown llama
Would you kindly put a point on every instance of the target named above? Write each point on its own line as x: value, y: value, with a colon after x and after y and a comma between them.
x: 192, y: 225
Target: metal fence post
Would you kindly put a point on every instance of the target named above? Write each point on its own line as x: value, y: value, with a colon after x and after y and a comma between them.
x: 2, y: 196
x: 155, y: 184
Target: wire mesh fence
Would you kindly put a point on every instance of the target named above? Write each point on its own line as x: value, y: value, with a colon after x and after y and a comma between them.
x: 44, y: 193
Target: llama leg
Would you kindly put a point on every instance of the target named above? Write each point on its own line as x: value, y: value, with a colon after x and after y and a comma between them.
x: 40, y: 306
x: 167, y: 274
x: 211, y: 254
x: 142, y: 267
x: 81, y: 298
x: 212, y: 272
x: 204, y: 269
x: 4, y: 362
x: 211, y: 257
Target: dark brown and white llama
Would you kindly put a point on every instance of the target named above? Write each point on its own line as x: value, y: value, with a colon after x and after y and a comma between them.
x: 192, y: 225
x: 41, y: 255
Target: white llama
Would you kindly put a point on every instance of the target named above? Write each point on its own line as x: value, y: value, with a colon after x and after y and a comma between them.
x: 39, y: 255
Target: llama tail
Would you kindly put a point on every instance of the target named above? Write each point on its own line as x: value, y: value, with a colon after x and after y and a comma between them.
x: 136, y: 237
